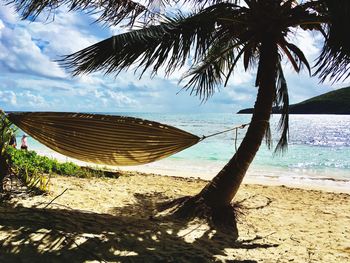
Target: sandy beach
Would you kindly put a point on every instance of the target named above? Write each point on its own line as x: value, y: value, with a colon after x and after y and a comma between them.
x: 112, y: 220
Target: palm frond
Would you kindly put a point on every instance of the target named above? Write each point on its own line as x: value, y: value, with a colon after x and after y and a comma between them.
x: 299, y: 56
x: 233, y: 65
x: 209, y: 73
x: 204, y: 81
x: 268, y: 137
x: 110, y: 11
x: 203, y: 3
x: 155, y: 45
x: 167, y: 44
x: 217, y: 65
x: 249, y: 47
x: 294, y: 55
x: 334, y: 61
x: 282, y: 102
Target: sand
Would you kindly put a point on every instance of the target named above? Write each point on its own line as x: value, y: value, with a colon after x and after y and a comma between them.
x: 112, y: 220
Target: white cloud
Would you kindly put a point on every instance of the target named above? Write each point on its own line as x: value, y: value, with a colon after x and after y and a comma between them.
x: 98, y: 94
x: 31, y: 100
x: 8, y: 97
x: 41, y: 85
x: 121, y: 99
x: 2, y: 26
x: 64, y: 35
x: 7, y: 13
x: 307, y: 42
x: 240, y: 95
x: 241, y: 76
x: 18, y: 53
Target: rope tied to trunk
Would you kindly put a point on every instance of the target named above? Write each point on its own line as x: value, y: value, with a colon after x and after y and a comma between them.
x: 236, y: 128
x: 242, y: 126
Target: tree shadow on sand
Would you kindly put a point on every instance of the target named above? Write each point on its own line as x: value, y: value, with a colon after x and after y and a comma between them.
x: 128, y: 234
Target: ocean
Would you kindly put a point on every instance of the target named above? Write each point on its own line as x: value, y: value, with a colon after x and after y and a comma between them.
x: 318, y: 154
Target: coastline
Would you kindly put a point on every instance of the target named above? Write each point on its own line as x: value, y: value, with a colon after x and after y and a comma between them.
x: 260, y: 176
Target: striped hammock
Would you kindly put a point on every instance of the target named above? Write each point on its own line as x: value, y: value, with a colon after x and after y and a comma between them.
x: 104, y: 139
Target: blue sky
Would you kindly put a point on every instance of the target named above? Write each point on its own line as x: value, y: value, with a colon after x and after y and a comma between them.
x: 31, y: 80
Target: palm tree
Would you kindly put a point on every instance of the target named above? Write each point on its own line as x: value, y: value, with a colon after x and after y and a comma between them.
x: 214, y: 39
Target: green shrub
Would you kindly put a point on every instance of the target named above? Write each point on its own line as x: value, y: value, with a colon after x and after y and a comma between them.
x: 6, y: 132
x: 33, y: 163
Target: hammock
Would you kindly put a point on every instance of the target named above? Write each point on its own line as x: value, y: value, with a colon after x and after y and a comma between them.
x: 105, y: 139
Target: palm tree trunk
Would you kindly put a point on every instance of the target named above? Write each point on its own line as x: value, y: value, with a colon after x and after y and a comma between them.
x: 222, y: 189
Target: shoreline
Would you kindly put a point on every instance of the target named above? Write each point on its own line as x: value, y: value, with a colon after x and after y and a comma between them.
x: 166, y: 167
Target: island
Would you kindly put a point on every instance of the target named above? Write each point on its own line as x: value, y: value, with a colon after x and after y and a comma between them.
x: 334, y: 102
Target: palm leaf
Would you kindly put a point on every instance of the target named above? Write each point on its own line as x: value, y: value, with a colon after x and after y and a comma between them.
x: 110, y: 11
x: 295, y: 55
x: 204, y: 3
x: 299, y: 56
x: 168, y: 44
x: 334, y: 61
x: 282, y: 101
x: 221, y: 57
x: 205, y: 77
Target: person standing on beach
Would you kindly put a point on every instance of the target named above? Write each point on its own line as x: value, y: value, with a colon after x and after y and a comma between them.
x: 24, y: 143
x: 13, y: 141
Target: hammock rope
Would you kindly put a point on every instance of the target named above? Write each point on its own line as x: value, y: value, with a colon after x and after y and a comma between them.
x: 106, y: 139
x: 242, y: 126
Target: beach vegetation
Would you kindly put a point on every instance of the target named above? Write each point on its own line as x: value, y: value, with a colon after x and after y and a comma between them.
x: 30, y: 161
x: 35, y: 170
x: 6, y: 132
x: 214, y: 38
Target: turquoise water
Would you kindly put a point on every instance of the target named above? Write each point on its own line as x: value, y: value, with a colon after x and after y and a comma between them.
x: 319, y: 147
x: 317, y: 142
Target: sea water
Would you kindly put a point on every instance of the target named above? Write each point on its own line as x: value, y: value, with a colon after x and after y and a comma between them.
x: 318, y: 152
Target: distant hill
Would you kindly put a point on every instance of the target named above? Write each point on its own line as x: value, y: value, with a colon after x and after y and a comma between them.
x: 334, y: 102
